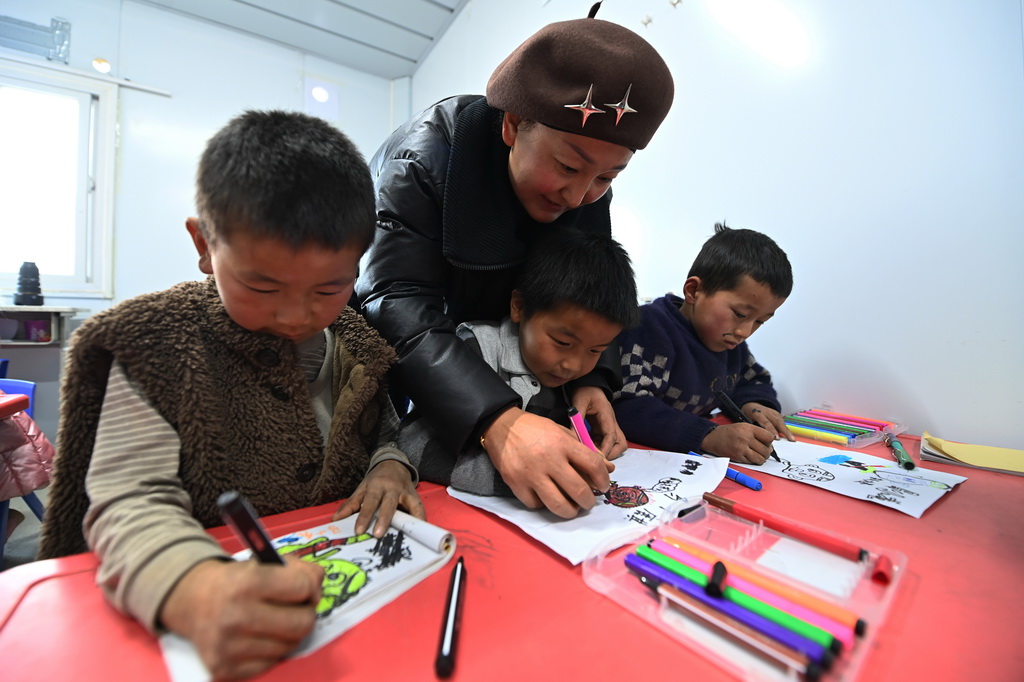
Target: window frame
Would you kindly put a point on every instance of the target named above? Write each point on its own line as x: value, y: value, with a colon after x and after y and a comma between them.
x: 93, y: 276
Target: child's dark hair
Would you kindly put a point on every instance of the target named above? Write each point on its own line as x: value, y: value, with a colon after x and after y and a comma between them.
x: 288, y: 176
x: 729, y: 254
x: 584, y: 269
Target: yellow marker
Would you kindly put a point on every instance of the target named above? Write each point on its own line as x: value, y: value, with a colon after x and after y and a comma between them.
x: 819, y: 435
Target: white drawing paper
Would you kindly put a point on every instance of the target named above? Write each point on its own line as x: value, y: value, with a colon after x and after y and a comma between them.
x: 856, y: 474
x: 362, y: 574
x: 646, y: 486
x: 826, y: 571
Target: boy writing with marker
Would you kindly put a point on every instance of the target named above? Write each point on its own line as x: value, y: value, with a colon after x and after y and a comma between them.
x: 258, y: 379
x: 576, y: 292
x: 685, y: 349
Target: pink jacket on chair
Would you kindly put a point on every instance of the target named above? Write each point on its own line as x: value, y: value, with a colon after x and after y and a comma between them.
x: 26, y: 457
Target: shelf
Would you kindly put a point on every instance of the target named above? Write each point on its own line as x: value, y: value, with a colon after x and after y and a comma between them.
x: 54, y: 319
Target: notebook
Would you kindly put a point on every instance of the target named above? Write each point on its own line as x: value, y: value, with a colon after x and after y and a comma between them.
x: 985, y: 457
x: 363, y: 574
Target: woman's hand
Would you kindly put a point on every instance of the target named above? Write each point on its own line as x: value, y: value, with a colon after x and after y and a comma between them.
x: 544, y: 464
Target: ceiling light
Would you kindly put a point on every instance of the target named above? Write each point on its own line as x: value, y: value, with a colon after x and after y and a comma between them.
x: 768, y: 27
x: 320, y: 94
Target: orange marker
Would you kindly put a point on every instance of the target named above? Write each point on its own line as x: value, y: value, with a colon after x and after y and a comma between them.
x: 809, y: 601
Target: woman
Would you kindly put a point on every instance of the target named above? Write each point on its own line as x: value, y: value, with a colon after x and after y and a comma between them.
x: 462, y: 190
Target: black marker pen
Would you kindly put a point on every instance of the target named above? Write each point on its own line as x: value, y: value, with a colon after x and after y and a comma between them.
x: 240, y: 516
x: 733, y: 412
x: 444, y: 664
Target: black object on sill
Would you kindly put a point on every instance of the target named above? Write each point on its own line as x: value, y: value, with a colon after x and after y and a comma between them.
x: 28, y: 292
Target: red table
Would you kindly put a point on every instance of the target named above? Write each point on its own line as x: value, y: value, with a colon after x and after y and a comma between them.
x: 529, y: 615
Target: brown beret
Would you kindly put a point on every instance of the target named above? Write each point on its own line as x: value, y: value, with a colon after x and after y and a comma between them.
x: 589, y: 77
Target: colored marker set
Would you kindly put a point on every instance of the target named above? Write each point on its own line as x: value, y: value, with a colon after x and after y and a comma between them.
x: 762, y: 604
x: 842, y: 429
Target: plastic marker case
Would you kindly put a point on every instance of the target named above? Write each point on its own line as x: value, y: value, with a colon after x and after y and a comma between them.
x: 844, y: 590
x: 826, y: 425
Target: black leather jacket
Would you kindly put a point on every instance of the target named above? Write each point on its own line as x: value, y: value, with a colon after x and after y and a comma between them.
x: 451, y: 237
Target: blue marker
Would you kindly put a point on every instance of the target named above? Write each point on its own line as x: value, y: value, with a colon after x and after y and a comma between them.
x: 742, y: 479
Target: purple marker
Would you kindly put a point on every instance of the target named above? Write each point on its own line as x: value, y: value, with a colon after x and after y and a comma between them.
x: 656, y: 574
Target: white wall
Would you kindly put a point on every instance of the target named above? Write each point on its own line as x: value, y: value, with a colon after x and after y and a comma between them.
x: 889, y: 166
x: 212, y: 74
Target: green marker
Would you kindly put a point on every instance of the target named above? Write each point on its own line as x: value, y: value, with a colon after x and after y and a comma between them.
x: 899, y: 452
x: 792, y: 623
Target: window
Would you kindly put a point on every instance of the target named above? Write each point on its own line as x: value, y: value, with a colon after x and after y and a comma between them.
x: 56, y: 178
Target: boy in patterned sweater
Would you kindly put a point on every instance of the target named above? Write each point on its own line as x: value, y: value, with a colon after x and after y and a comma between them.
x: 685, y: 349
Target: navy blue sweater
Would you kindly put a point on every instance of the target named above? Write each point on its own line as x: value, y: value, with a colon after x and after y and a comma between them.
x: 669, y: 380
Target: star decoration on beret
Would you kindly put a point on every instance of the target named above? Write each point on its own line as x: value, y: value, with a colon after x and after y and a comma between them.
x: 623, y: 106
x: 586, y: 107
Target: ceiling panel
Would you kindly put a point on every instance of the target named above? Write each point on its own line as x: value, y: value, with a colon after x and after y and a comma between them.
x: 432, y: 18
x: 387, y: 38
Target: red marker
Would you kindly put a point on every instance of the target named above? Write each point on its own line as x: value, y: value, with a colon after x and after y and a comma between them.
x: 847, y: 550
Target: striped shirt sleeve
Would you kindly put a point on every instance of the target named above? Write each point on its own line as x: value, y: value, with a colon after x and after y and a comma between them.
x: 139, y: 520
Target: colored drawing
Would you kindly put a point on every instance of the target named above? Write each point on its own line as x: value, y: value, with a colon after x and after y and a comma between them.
x: 342, y: 578
x: 626, y: 497
x: 342, y: 581
x: 647, y: 486
x: 859, y: 475
x: 361, y: 574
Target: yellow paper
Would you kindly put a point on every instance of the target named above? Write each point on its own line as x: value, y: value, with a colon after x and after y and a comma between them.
x: 978, y: 455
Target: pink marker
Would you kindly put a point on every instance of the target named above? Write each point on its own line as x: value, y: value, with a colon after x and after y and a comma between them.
x: 580, y: 427
x: 843, y: 633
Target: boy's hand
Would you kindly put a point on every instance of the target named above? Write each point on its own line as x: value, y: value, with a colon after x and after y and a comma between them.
x: 244, y: 616
x: 744, y: 443
x: 386, y: 487
x: 762, y: 415
x: 608, y: 437
x: 544, y: 464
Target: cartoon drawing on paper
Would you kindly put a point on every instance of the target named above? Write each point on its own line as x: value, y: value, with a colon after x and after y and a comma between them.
x: 646, y: 485
x: 806, y: 472
x: 361, y: 574
x: 886, y: 472
x: 632, y: 496
x: 391, y: 549
x: 342, y: 578
x: 889, y: 483
x: 647, y: 503
x: 293, y: 544
x: 626, y: 497
x: 342, y: 581
x: 668, y: 485
x: 345, y: 577
x: 860, y: 475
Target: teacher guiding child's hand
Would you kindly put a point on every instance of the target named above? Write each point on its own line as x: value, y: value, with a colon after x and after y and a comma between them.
x: 463, y: 191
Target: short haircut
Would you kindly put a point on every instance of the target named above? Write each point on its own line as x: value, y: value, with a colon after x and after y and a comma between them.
x: 287, y: 176
x: 580, y: 268
x: 730, y: 254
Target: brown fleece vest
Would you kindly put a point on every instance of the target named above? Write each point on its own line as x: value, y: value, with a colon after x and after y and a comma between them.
x: 237, y: 399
